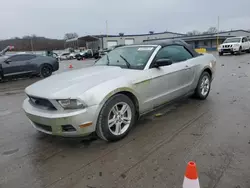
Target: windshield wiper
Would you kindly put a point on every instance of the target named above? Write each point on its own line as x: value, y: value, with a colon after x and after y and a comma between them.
x: 108, y: 59
x: 127, y: 63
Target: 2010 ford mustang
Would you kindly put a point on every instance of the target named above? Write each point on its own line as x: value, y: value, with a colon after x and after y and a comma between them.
x: 108, y: 97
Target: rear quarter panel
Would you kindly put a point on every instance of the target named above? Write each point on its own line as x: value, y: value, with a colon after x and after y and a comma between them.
x: 201, y: 63
x: 41, y: 60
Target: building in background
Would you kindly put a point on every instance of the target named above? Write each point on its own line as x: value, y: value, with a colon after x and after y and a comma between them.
x: 208, y: 41
x: 104, y: 41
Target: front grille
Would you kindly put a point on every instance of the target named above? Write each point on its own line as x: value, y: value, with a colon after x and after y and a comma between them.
x: 226, y: 50
x: 43, y: 127
x: 227, y: 46
x: 45, y: 103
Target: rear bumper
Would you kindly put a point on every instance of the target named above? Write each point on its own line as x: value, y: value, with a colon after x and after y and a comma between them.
x: 56, y: 66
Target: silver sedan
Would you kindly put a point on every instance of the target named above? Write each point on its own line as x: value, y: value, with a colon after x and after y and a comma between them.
x: 110, y: 96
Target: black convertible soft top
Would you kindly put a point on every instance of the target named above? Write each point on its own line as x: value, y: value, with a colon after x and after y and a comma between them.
x: 169, y: 42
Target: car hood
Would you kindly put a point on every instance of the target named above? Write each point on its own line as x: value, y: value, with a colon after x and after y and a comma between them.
x: 73, y: 83
x: 231, y: 43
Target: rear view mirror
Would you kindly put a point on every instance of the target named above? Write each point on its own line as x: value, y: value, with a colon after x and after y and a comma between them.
x: 162, y: 62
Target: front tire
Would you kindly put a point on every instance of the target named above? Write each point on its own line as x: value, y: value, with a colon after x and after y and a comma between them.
x: 240, y: 51
x: 220, y: 53
x: 116, y: 118
x: 203, y: 87
x: 45, y: 71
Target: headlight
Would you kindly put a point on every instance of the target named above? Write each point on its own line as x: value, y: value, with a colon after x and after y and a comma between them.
x: 71, y: 104
x: 236, y: 45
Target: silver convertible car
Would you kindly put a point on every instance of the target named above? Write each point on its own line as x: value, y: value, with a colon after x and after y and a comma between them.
x: 110, y: 96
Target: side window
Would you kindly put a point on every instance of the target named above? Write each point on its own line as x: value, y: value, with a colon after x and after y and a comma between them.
x: 15, y: 58
x: 28, y: 57
x: 25, y: 57
x: 176, y: 53
x: 243, y: 39
x: 22, y: 57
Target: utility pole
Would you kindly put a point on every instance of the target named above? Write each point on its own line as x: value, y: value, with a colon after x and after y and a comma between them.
x: 218, y: 30
x: 107, y: 32
x: 31, y: 43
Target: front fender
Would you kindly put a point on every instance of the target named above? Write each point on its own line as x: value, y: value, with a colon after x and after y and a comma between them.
x: 99, y: 94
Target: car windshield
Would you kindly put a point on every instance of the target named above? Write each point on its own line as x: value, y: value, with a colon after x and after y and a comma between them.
x: 231, y: 40
x: 132, y: 57
x: 83, y: 52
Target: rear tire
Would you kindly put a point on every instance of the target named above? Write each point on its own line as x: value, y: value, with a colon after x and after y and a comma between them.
x: 116, y: 118
x: 46, y: 71
x: 203, y: 88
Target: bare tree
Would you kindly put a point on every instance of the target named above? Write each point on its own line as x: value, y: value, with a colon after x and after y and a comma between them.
x: 27, y: 43
x: 70, y: 36
x: 194, y: 32
x: 211, y: 30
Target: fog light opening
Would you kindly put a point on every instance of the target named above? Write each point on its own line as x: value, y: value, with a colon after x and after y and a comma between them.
x: 68, y: 128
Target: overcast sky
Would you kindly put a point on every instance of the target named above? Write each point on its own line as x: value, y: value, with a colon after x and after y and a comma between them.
x: 54, y: 18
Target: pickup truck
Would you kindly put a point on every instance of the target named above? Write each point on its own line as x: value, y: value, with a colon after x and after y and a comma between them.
x: 87, y: 54
x: 234, y: 45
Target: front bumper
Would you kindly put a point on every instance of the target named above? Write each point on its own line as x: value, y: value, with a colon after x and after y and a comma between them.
x: 229, y: 50
x: 54, y: 122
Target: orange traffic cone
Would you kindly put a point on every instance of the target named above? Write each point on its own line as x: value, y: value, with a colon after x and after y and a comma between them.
x: 70, y: 66
x: 191, y: 177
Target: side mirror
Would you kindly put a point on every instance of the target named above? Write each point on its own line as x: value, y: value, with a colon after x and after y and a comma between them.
x: 7, y: 61
x: 162, y: 62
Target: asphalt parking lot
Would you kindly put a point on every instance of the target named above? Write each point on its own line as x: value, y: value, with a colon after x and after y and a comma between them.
x: 215, y: 133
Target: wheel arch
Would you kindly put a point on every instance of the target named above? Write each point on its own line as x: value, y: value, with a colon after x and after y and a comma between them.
x: 207, y: 69
x: 45, y: 64
x: 125, y: 91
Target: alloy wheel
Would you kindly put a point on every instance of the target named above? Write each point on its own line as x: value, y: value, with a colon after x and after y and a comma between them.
x: 119, y: 118
x: 205, y: 85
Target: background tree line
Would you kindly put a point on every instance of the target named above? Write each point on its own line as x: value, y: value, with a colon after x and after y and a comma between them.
x: 211, y: 30
x: 36, y: 43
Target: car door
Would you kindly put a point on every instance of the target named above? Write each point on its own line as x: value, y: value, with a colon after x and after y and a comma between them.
x: 28, y: 63
x: 12, y: 66
x: 170, y: 82
x: 17, y: 64
x: 245, y: 43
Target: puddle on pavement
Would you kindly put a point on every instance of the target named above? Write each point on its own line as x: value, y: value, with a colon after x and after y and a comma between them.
x: 5, y: 112
x: 10, y: 152
x: 88, y: 140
